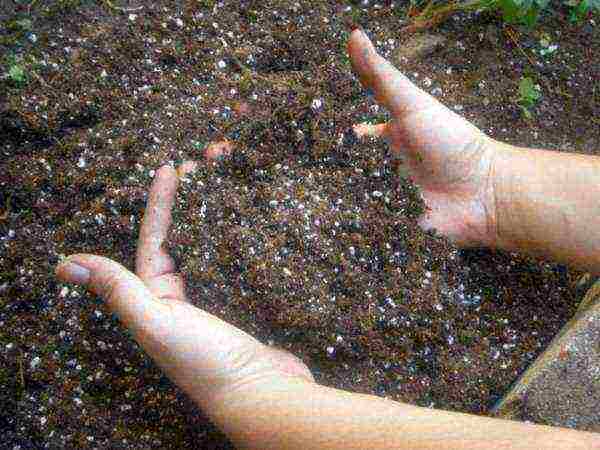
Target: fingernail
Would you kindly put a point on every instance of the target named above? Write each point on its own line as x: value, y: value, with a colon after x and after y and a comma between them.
x: 74, y: 273
x: 366, y: 36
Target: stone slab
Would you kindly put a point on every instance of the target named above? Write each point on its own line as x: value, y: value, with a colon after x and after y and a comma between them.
x: 562, y: 386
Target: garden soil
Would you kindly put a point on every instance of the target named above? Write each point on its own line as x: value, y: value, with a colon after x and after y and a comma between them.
x: 304, y: 236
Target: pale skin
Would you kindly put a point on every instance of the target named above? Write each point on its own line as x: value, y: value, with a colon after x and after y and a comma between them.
x: 479, y: 192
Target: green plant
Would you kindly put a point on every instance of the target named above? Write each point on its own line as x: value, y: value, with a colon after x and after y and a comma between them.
x: 16, y: 73
x: 526, y: 12
x: 522, y: 11
x: 529, y: 95
x: 582, y: 8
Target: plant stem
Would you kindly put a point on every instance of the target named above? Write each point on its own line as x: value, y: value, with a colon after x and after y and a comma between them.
x: 432, y: 16
x: 511, y: 35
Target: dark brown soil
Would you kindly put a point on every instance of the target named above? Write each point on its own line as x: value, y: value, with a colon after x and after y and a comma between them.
x: 111, y: 96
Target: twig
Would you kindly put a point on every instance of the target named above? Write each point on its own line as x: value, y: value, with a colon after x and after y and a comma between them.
x: 432, y: 16
x: 511, y: 35
x: 21, y: 372
x: 252, y: 74
x: 108, y: 3
x: 41, y: 80
x: 111, y: 5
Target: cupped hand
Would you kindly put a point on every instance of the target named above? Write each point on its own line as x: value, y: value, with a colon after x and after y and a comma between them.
x: 448, y: 157
x: 207, y: 357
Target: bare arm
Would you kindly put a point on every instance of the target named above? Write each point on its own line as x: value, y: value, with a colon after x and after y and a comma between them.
x: 305, y: 416
x: 264, y: 398
x: 477, y: 190
x: 547, y: 204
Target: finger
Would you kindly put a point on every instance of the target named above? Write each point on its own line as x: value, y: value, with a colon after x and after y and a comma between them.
x: 186, y: 167
x: 204, y: 355
x: 365, y: 129
x: 182, y: 339
x: 124, y: 293
x: 152, y: 258
x: 218, y: 150
x: 170, y: 286
x: 392, y: 89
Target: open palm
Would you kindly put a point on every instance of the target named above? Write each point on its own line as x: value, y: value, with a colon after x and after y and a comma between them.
x: 448, y: 157
x: 204, y: 355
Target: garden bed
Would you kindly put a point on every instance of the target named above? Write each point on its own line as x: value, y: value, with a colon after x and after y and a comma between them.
x: 303, y: 236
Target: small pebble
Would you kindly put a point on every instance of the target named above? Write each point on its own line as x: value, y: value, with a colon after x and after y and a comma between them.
x: 316, y: 104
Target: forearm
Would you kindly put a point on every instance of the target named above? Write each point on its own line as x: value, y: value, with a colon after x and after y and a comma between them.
x: 300, y: 415
x: 547, y: 204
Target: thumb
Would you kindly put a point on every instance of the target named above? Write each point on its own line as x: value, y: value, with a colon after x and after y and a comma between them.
x: 200, y: 352
x: 392, y: 89
x: 124, y: 293
x: 204, y: 355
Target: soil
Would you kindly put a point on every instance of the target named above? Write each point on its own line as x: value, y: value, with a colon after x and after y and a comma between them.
x: 371, y: 303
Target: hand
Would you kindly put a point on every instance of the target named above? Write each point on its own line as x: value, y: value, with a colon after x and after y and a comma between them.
x: 205, y: 356
x: 450, y: 159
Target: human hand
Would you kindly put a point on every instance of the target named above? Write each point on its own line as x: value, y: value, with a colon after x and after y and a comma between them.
x: 449, y: 158
x: 207, y: 357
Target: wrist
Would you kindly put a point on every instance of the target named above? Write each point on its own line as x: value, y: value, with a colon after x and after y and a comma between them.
x: 257, y: 414
x: 503, y: 162
x: 266, y: 370
x: 516, y: 186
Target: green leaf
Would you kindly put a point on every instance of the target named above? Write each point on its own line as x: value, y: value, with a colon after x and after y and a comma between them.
x: 528, y: 93
x: 542, y: 4
x: 510, y: 10
x: 525, y: 85
x: 582, y: 8
x: 16, y: 73
x: 530, y: 18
